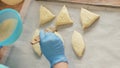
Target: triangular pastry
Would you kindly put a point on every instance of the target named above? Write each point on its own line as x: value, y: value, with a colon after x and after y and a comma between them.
x: 45, y: 15
x: 36, y: 47
x: 63, y: 17
x: 88, y: 18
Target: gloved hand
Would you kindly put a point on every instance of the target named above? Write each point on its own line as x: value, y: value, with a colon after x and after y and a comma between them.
x: 52, y: 48
x: 1, y: 46
x: 2, y: 66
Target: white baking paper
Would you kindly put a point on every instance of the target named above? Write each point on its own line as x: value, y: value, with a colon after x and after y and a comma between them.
x: 102, y: 39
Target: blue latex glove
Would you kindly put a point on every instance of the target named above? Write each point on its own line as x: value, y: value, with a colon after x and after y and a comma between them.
x: 52, y: 48
x: 2, y: 66
x: 1, y: 46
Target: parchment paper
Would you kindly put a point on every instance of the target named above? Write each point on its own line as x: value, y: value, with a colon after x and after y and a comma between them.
x: 102, y: 39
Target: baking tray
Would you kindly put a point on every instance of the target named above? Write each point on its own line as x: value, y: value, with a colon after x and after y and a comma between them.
x: 102, y: 39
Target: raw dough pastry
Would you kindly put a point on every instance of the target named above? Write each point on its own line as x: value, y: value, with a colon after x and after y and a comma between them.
x: 11, y: 2
x: 78, y: 43
x: 51, y: 29
x: 45, y: 15
x: 63, y: 17
x: 59, y: 36
x: 54, y: 30
x: 36, y: 47
x: 88, y: 18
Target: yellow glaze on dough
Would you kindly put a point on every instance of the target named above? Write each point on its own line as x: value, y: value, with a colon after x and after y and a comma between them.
x: 6, y: 28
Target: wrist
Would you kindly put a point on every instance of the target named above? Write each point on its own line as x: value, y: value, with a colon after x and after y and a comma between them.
x: 58, y: 59
x: 61, y: 65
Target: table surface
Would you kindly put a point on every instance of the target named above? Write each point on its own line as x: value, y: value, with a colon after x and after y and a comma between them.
x: 115, y: 2
x: 101, y: 39
x: 110, y: 3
